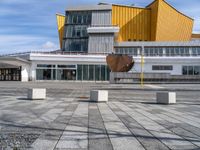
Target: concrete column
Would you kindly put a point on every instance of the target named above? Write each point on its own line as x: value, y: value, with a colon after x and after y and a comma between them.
x: 24, y: 73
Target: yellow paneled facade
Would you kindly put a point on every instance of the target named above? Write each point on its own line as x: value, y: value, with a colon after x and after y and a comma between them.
x: 134, y: 23
x: 60, y: 24
x: 157, y: 22
x: 171, y: 25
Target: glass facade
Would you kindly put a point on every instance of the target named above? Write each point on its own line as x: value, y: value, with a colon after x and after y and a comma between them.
x: 153, y: 51
x: 191, y: 70
x: 45, y: 74
x: 127, y: 50
x: 159, y: 51
x: 93, y: 72
x: 10, y: 74
x: 195, y: 51
x: 177, y: 51
x: 72, y: 72
x: 76, y: 36
x: 66, y: 74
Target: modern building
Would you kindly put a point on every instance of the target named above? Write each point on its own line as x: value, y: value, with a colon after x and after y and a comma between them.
x: 158, y: 34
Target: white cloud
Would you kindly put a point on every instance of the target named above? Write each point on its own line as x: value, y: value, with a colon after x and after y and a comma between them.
x: 18, y: 39
x: 49, y: 46
x: 22, y: 43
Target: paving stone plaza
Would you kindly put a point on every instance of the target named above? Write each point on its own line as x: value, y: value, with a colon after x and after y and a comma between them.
x: 67, y: 120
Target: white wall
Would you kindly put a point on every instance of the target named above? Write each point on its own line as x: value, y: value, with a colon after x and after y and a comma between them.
x: 25, y: 73
x: 176, y: 62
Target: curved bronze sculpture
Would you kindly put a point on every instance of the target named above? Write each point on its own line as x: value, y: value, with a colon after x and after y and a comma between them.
x: 119, y: 62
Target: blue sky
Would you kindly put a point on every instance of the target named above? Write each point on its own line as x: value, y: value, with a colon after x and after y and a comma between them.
x: 31, y: 24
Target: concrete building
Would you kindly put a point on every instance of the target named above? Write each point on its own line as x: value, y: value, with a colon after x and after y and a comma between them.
x: 159, y: 33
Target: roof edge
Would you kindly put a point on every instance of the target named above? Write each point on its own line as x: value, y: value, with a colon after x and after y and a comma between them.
x: 171, y: 7
x: 178, y: 10
x: 114, y: 4
x: 90, y: 8
x: 58, y: 14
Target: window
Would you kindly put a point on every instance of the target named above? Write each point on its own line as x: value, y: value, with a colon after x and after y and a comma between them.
x: 45, y: 74
x: 45, y: 66
x: 197, y: 70
x: 151, y: 52
x: 103, y: 72
x: 127, y: 50
x: 185, y: 70
x: 168, y: 52
x: 198, y: 50
x: 74, y: 19
x: 187, y: 52
x: 79, y: 19
x: 97, y: 72
x: 76, y: 36
x: 172, y: 51
x: 155, y: 67
x: 156, y: 53
x: 194, y: 51
x: 66, y: 66
x: 191, y: 70
x: 93, y: 72
x: 160, y: 51
x: 146, y: 51
x: 80, y: 72
x: 76, y: 45
x: 85, y: 72
x: 177, y: 52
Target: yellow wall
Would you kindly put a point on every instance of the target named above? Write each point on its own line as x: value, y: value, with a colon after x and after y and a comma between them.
x: 134, y: 23
x: 154, y: 19
x: 157, y: 22
x: 171, y: 24
x: 61, y: 24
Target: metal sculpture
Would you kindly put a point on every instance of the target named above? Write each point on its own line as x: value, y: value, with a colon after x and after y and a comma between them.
x: 119, y: 62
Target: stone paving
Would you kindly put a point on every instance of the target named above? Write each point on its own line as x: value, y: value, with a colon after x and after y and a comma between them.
x: 66, y: 120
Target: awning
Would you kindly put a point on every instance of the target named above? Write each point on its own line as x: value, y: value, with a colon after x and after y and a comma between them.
x: 14, y: 61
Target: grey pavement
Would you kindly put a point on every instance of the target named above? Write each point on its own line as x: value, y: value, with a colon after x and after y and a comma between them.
x: 67, y: 120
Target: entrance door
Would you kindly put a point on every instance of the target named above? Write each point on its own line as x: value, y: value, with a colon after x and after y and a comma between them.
x: 10, y: 74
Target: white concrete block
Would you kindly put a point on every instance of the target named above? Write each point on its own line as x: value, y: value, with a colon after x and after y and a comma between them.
x: 36, y: 94
x: 166, y: 97
x: 99, y: 95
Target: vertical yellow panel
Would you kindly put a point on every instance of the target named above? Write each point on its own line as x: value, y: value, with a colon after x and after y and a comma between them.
x: 154, y: 16
x: 131, y: 22
x: 60, y: 24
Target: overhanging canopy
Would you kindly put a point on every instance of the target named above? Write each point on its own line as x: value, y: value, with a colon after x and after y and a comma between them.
x: 15, y: 61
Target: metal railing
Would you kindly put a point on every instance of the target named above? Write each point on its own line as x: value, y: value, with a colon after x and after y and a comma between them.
x: 57, y: 52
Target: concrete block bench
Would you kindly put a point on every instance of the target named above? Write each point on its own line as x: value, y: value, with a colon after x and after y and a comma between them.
x: 166, y: 97
x: 99, y: 96
x: 36, y: 94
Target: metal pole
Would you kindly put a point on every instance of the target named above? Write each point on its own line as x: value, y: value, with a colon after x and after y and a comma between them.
x: 142, y: 68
